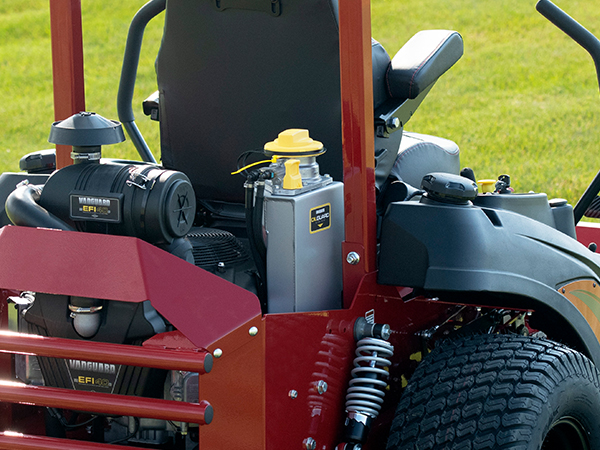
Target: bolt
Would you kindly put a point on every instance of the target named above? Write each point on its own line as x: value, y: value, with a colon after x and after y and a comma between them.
x: 394, y: 123
x: 309, y: 444
x: 253, y: 331
x: 386, y: 332
x: 564, y: 290
x: 353, y: 258
x: 218, y: 353
x: 221, y: 267
x: 321, y: 387
x: 293, y: 394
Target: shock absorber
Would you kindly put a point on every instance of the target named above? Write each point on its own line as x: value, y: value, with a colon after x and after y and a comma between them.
x: 367, y: 387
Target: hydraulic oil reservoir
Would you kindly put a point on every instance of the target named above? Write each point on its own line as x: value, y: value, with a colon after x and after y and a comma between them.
x: 304, y: 227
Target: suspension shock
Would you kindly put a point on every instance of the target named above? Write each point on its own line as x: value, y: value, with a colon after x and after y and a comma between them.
x: 366, y: 391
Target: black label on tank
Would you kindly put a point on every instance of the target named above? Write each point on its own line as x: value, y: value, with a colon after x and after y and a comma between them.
x: 320, y: 218
x: 92, y: 207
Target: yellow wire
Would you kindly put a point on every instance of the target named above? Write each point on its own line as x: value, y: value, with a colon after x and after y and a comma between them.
x: 253, y: 164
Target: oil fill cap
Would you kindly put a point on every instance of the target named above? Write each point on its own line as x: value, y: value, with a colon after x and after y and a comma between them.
x: 292, y: 178
x: 294, y: 142
x: 449, y: 188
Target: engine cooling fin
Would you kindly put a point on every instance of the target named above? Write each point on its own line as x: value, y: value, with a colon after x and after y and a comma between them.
x: 211, y: 247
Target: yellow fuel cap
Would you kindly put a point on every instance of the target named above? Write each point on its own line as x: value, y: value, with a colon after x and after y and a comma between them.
x: 294, y: 142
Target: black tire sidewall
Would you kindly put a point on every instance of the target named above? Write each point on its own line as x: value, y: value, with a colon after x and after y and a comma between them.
x: 573, y: 397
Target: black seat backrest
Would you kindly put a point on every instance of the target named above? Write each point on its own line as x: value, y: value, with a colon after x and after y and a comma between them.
x: 231, y: 79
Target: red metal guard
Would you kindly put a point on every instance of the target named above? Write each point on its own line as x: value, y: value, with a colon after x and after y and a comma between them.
x: 187, y: 360
x: 113, y: 404
x: 18, y: 441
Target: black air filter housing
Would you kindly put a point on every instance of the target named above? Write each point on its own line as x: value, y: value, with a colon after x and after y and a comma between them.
x: 140, y: 200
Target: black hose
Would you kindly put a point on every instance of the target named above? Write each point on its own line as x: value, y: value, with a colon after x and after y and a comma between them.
x: 259, y: 259
x: 22, y: 209
x: 257, y: 222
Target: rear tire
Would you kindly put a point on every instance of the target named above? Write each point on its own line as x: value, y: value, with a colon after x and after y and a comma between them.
x: 504, y: 392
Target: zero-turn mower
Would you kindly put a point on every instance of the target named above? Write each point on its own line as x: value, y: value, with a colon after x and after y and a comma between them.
x: 298, y: 271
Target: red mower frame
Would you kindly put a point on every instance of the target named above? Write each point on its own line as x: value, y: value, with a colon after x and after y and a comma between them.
x: 269, y: 381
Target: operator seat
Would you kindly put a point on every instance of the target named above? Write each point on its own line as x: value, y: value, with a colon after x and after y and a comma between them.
x: 233, y: 74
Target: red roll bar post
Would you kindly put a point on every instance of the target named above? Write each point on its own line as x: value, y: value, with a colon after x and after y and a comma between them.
x: 359, y: 248
x: 67, y: 66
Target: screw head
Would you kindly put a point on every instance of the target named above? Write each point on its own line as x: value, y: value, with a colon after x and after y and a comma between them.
x: 217, y: 353
x: 321, y: 387
x: 353, y: 258
x: 253, y: 331
x: 293, y: 394
x: 309, y: 444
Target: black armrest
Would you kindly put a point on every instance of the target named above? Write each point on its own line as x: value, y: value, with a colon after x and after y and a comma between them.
x: 150, y: 106
x: 421, y: 61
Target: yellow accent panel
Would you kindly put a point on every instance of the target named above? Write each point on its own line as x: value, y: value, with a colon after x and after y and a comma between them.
x: 293, y: 141
x: 584, y: 296
x: 292, y: 178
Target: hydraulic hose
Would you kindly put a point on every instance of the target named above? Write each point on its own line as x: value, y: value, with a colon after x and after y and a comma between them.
x: 22, y: 209
x: 256, y: 240
x: 257, y: 219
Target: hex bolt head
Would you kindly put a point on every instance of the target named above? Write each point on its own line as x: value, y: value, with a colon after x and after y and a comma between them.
x: 253, y: 331
x: 309, y: 444
x: 217, y: 353
x: 353, y: 258
x: 321, y: 387
x: 293, y: 394
x: 393, y: 123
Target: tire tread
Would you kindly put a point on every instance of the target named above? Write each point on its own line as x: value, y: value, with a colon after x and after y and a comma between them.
x: 483, y: 392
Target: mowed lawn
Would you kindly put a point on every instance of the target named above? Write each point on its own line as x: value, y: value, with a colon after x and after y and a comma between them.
x: 523, y: 100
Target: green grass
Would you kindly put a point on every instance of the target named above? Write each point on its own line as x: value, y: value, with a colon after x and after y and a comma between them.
x: 523, y: 100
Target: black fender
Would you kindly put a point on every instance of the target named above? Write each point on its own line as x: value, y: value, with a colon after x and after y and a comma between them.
x: 492, y: 256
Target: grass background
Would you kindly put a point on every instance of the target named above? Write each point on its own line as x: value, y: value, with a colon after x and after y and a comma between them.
x: 523, y: 100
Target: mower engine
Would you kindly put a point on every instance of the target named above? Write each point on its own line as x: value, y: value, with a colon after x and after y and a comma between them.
x: 120, y: 198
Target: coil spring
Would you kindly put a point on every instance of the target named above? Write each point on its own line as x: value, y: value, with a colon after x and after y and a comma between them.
x: 367, y: 386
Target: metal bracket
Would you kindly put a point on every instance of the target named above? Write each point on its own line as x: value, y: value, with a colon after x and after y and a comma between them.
x: 394, y: 113
x: 139, y: 180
